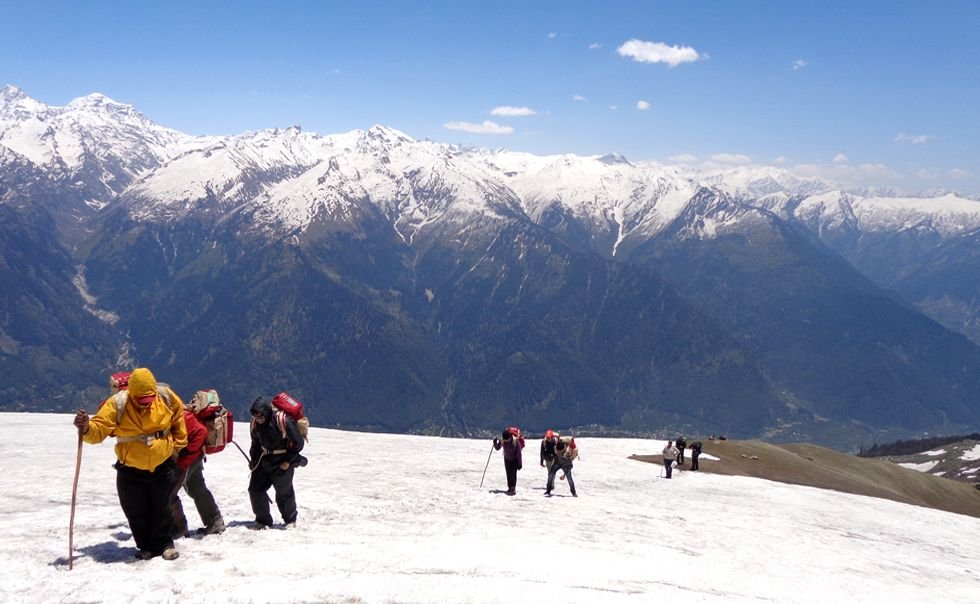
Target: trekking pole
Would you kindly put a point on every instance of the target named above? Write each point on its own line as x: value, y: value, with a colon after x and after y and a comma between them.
x: 486, y: 466
x: 249, y: 462
x: 245, y: 455
x: 74, y: 497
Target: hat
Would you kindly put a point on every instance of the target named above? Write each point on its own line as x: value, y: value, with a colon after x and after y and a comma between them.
x: 549, y: 433
x: 142, y: 386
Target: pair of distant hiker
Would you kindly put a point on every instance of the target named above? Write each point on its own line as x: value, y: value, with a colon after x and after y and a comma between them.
x: 558, y: 452
x: 672, y: 453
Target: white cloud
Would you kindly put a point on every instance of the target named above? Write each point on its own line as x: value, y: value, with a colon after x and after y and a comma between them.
x: 613, y: 108
x: 594, y: 46
x: 731, y: 158
x: 840, y: 158
x: 960, y: 173
x: 683, y: 158
x: 642, y: 105
x: 913, y: 139
x: 487, y: 127
x: 552, y: 35
x: 780, y: 160
x: 799, y: 64
x: 925, y: 174
x: 508, y: 111
x: 579, y: 97
x: 657, y: 52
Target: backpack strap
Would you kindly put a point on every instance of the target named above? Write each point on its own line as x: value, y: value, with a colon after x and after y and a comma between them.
x: 279, y: 418
x: 147, y: 439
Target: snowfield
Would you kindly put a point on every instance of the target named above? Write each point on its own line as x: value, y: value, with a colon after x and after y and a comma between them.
x: 395, y: 518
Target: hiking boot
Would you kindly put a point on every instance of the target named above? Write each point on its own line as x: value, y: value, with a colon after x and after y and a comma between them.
x: 290, y: 525
x: 258, y: 526
x: 547, y: 492
x: 170, y: 553
x: 511, y: 492
x: 214, y: 529
x: 143, y: 554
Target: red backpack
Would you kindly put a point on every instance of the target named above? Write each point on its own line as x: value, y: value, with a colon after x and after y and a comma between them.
x: 294, y: 409
x: 119, y: 381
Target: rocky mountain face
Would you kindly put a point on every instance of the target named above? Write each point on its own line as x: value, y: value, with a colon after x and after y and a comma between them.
x: 412, y: 286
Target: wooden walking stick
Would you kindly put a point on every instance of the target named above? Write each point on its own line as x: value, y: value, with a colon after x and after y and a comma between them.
x: 74, y: 496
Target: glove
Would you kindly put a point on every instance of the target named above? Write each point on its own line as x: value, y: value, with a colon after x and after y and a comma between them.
x: 81, y: 422
x: 542, y: 464
x: 496, y: 443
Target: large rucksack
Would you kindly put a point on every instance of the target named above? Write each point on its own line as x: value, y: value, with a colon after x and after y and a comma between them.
x: 216, y: 418
x: 287, y: 405
x: 567, y: 447
x: 119, y: 381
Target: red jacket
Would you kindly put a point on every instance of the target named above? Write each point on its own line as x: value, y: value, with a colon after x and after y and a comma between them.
x: 196, y: 435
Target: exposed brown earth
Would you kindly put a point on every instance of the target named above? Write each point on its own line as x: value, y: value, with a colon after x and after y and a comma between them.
x: 815, y: 466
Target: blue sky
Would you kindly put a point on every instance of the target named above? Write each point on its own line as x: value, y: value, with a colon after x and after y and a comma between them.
x: 866, y: 92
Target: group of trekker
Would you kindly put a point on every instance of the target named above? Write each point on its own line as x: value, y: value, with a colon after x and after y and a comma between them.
x: 161, y: 447
x: 557, y: 453
x: 673, y: 453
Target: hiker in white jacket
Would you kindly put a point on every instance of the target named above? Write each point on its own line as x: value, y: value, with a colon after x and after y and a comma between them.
x: 670, y: 454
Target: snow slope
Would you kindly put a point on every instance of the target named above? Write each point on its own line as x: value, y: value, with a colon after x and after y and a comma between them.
x: 401, y: 518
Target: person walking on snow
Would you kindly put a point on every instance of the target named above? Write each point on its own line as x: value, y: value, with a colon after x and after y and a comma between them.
x: 670, y: 454
x: 695, y: 454
x: 548, y: 448
x: 565, y: 452
x: 148, y: 423
x: 681, y: 444
x: 273, y: 457
x: 511, y: 441
x: 191, y: 460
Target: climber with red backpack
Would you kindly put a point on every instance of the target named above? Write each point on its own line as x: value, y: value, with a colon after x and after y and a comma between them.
x: 147, y: 421
x: 277, y: 439
x: 511, y: 441
x: 191, y: 461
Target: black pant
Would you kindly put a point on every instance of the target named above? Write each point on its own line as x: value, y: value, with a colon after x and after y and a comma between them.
x: 198, y: 490
x: 694, y: 460
x: 680, y: 456
x: 145, y: 498
x: 669, y: 465
x: 566, y: 470
x: 511, y: 468
x: 282, y: 481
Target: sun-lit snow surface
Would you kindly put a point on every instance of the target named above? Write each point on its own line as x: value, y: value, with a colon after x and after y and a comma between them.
x: 971, y: 455
x: 925, y: 466
x: 401, y: 518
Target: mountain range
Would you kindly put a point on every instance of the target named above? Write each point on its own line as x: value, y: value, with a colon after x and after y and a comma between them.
x: 408, y: 285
